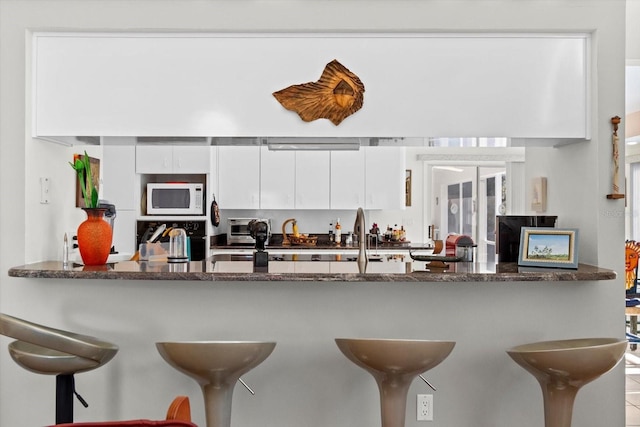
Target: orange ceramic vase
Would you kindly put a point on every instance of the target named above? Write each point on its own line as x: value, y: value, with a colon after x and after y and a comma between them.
x: 94, y: 237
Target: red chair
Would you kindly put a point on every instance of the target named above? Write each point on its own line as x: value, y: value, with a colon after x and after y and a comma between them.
x: 178, y: 415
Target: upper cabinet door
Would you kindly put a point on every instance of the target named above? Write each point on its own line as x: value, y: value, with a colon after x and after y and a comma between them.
x: 313, y: 180
x: 158, y: 158
x: 239, y: 177
x: 385, y: 177
x: 154, y: 159
x: 277, y: 179
x: 119, y: 176
x: 119, y: 84
x: 347, y: 179
x: 191, y: 159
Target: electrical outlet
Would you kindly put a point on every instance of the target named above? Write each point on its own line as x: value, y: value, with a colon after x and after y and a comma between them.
x: 45, y: 196
x: 425, y: 407
x: 72, y: 238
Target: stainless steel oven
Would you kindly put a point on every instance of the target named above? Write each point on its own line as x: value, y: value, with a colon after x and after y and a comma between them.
x: 238, y: 231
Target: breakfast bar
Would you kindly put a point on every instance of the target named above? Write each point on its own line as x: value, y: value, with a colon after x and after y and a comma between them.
x: 226, y: 268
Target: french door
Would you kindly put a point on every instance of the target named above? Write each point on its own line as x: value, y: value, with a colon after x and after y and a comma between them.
x: 471, y: 198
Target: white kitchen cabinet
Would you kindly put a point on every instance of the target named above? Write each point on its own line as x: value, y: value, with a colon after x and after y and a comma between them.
x: 184, y: 159
x: 154, y: 159
x: 191, y: 159
x: 312, y: 267
x: 124, y: 231
x: 313, y: 180
x: 385, y: 177
x: 239, y: 177
x: 519, y: 85
x: 118, y: 188
x: 347, y: 179
x: 277, y: 179
x: 119, y: 176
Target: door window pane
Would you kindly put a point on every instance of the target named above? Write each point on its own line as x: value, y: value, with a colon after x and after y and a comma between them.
x: 453, y: 208
x: 491, y: 208
x: 467, y: 208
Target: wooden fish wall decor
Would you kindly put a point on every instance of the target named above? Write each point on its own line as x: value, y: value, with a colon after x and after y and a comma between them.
x: 335, y: 96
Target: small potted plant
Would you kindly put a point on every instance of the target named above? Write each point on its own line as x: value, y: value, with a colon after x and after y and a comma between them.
x: 94, y: 234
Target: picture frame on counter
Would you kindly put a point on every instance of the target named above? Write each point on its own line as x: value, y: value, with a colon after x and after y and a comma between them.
x: 548, y: 247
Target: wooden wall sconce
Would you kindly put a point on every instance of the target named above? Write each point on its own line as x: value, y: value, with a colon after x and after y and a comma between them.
x: 335, y: 96
x: 615, y: 121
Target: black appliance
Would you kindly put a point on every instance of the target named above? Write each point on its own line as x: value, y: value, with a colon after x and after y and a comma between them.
x: 259, y: 231
x: 110, y: 217
x: 508, y: 233
x: 196, y: 231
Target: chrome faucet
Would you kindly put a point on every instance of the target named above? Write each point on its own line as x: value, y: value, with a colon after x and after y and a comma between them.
x: 360, y: 229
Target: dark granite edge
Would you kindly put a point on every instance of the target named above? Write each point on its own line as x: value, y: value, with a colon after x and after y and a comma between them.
x: 583, y: 273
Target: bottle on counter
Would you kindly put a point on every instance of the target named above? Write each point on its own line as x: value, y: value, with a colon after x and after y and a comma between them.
x: 331, y: 232
x: 349, y: 240
x: 65, y: 250
x: 338, y: 232
x: 395, y: 234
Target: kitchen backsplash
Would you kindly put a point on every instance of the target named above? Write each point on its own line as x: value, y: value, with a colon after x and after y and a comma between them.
x: 317, y: 221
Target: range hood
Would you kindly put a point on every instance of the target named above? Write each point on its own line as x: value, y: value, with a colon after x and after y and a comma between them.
x: 315, y: 144
x: 273, y: 143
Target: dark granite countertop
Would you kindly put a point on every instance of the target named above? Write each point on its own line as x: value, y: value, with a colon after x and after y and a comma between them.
x: 219, y: 268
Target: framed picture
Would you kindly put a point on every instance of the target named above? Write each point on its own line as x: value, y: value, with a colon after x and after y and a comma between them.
x: 407, y: 188
x: 548, y: 247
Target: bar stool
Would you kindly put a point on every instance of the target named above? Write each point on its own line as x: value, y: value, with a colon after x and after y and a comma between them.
x: 216, y: 366
x: 394, y: 364
x: 563, y: 367
x: 50, y: 351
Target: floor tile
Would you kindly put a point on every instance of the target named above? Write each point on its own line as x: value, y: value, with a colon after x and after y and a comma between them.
x: 633, y: 415
x: 632, y: 388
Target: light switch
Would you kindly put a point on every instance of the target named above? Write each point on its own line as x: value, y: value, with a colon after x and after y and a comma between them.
x: 44, y: 190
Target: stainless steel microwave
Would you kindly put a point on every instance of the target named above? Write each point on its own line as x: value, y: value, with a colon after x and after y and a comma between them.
x: 175, y: 198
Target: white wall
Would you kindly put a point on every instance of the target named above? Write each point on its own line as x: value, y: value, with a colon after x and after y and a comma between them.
x: 307, y: 381
x: 633, y: 30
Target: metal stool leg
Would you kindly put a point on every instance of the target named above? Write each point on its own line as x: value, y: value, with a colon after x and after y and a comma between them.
x: 64, y: 398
